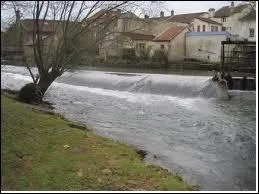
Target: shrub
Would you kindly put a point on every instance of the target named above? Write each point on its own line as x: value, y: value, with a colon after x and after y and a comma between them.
x: 128, y: 53
x: 29, y: 93
x: 159, y: 55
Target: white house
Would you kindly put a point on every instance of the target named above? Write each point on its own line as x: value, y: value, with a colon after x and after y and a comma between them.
x: 239, y: 20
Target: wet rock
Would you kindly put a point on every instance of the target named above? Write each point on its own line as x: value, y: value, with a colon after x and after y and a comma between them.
x: 142, y: 153
x: 77, y: 126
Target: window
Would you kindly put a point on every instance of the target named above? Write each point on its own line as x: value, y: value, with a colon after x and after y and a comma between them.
x: 224, y: 19
x: 251, y: 32
x: 203, y: 28
x: 140, y: 46
x: 198, y: 28
x: 223, y: 29
x: 214, y: 29
x: 162, y: 46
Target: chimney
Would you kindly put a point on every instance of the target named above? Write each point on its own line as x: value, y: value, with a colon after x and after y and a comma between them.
x: 146, y: 16
x: 172, y: 13
x: 18, y: 15
x: 211, y: 12
x: 161, y: 14
x: 232, y: 4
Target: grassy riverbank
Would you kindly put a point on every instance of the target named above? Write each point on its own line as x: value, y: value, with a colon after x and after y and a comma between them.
x: 42, y: 152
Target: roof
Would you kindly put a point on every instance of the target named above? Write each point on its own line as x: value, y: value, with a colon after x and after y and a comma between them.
x: 169, y: 34
x: 227, y: 11
x: 160, y: 18
x: 185, y: 18
x: 222, y: 12
x: 250, y: 16
x: 207, y: 34
x: 108, y: 14
x: 208, y: 20
x: 138, y: 36
x: 102, y: 14
x: 48, y: 25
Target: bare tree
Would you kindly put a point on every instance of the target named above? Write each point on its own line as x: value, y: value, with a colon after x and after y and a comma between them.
x: 252, y: 4
x: 70, y: 25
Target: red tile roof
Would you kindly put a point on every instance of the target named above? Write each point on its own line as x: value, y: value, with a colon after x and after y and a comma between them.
x: 169, y: 34
x: 138, y: 36
x: 185, y: 18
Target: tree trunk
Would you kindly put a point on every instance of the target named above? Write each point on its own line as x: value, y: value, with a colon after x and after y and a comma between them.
x: 44, y: 84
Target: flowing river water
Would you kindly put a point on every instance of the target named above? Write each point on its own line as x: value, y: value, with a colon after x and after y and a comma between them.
x: 176, y: 118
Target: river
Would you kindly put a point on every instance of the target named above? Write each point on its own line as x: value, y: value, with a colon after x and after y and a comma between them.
x: 176, y: 118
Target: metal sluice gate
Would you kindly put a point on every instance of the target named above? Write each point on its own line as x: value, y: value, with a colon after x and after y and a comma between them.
x: 238, y: 56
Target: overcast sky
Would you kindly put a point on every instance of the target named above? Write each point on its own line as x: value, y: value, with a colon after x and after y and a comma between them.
x: 181, y: 7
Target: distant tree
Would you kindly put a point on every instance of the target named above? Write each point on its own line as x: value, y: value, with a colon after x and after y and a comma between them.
x: 252, y: 4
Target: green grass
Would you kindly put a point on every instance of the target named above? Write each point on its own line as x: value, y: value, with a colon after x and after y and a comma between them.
x: 34, y: 157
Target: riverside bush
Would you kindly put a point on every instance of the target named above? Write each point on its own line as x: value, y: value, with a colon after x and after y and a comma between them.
x: 29, y: 93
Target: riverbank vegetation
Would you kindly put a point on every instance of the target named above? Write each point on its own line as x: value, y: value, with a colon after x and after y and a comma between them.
x: 45, y: 152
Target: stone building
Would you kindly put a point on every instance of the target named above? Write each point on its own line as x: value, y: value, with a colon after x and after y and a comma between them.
x: 238, y: 20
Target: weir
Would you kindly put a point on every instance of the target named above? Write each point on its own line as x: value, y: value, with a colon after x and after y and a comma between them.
x: 173, y: 85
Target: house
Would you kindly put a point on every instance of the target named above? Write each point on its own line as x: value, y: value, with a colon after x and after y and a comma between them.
x: 205, y: 46
x: 128, y: 30
x: 239, y: 20
x: 140, y: 42
x: 187, y: 19
x: 113, y: 46
x: 47, y: 29
x: 172, y: 41
x: 205, y: 25
x: 248, y: 26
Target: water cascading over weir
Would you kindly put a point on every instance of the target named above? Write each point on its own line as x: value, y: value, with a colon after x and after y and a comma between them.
x: 173, y: 85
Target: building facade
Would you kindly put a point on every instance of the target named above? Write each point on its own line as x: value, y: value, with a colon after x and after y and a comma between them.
x: 238, y: 20
x: 205, y: 46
